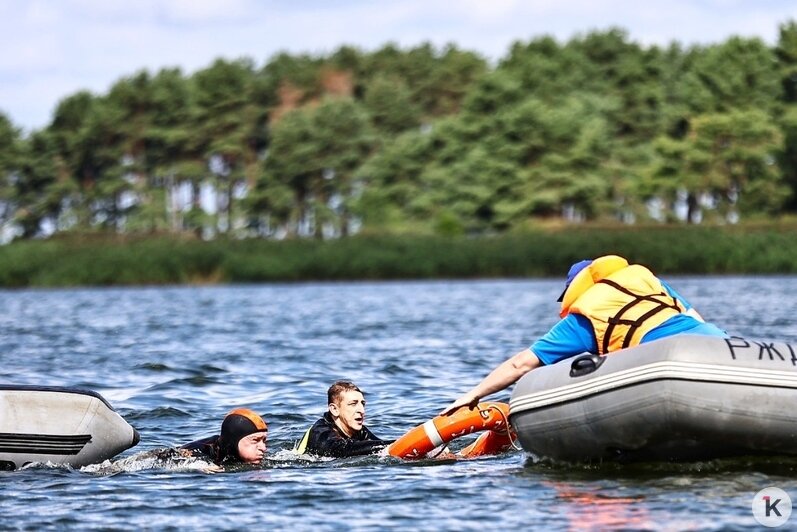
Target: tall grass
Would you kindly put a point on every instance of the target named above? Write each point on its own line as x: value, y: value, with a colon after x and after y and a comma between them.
x: 73, y: 261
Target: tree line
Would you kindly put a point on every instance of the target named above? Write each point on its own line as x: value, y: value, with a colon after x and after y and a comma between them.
x: 418, y: 140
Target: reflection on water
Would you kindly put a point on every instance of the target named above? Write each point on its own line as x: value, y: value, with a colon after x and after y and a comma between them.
x: 174, y: 360
x: 589, y: 508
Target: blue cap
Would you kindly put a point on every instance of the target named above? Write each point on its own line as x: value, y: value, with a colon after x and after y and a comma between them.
x: 572, y: 272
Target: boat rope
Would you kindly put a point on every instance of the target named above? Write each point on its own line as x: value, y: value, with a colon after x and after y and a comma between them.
x: 506, y: 420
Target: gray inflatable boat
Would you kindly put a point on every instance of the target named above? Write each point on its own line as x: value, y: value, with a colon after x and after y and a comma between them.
x: 60, y: 426
x: 679, y: 398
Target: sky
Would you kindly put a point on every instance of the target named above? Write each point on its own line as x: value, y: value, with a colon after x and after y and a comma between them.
x: 50, y: 49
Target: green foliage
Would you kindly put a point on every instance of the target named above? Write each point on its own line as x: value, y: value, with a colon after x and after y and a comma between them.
x: 668, y: 250
x: 437, y: 81
x: 786, y: 53
x: 10, y: 152
x: 313, y: 153
x: 727, y: 158
x: 419, y: 140
x: 390, y: 105
x: 740, y: 73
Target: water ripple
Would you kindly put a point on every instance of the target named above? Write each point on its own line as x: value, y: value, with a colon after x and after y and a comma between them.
x: 175, y: 360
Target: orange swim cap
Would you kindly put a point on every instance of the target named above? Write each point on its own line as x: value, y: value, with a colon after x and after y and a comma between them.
x: 239, y: 423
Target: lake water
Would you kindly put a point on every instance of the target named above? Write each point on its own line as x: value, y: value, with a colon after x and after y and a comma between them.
x: 174, y: 360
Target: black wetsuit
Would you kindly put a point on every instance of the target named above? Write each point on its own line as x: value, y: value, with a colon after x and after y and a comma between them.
x: 208, y: 448
x: 324, y: 438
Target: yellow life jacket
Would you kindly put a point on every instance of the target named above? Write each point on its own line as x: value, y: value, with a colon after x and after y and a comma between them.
x: 622, y: 302
x: 301, y: 445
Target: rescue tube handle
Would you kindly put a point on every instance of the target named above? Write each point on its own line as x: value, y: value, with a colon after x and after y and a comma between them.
x: 586, y: 364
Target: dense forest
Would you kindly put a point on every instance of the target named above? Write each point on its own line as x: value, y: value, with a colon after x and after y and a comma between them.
x: 420, y: 140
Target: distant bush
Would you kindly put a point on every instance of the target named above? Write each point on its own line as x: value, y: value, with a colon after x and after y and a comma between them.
x: 665, y: 249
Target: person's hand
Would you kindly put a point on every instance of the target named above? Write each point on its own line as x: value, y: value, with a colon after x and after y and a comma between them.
x: 468, y: 400
x: 212, y: 469
x: 185, y: 453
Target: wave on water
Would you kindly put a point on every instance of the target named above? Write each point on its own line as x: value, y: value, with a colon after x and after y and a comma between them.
x: 161, y: 412
x: 164, y: 459
x: 170, y: 459
x: 292, y: 457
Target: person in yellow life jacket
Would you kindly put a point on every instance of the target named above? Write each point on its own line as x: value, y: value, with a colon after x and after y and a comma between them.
x: 341, y: 431
x: 607, y: 305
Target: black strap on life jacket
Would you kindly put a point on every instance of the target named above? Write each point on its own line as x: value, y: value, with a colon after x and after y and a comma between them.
x: 634, y: 325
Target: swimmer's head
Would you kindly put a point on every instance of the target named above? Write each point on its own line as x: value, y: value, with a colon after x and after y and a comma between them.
x: 347, y: 406
x: 243, y: 435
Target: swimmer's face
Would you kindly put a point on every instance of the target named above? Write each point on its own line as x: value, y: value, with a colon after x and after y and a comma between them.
x: 349, y: 411
x: 252, y: 448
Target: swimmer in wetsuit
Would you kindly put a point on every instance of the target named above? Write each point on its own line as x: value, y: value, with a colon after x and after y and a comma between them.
x: 341, y: 432
x: 242, y: 439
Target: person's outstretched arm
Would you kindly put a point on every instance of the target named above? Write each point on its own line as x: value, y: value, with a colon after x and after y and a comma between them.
x: 571, y: 336
x: 507, y: 373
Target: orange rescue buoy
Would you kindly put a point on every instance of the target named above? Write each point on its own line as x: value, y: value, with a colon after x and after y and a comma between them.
x: 440, y: 430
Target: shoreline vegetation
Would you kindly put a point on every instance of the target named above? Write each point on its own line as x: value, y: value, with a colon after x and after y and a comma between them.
x: 596, y: 129
x: 103, y: 260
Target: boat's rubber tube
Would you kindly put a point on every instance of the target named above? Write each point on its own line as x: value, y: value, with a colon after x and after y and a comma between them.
x: 678, y: 398
x: 60, y: 426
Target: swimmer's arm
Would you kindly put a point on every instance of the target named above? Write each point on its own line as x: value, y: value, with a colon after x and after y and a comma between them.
x: 182, y: 452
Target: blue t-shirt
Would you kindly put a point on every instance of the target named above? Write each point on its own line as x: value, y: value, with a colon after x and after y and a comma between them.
x: 574, y: 335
